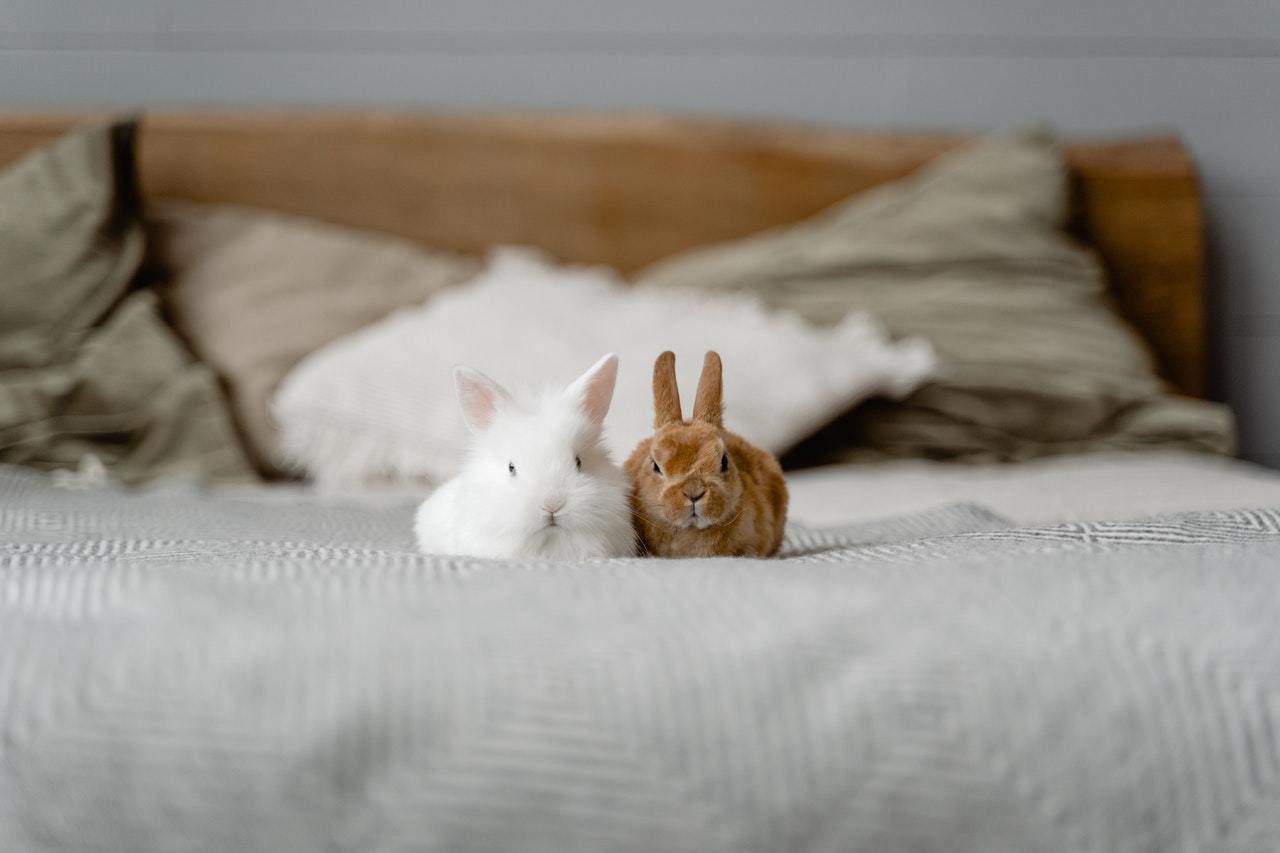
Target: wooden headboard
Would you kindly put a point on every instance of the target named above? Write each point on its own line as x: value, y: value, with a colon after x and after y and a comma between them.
x: 625, y: 190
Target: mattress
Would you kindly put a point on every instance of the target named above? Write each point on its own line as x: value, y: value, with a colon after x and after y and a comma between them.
x: 1090, y: 487
x: 200, y: 671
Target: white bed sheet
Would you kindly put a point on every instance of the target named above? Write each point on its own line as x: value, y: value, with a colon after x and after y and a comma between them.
x: 1088, y: 487
x: 1091, y: 487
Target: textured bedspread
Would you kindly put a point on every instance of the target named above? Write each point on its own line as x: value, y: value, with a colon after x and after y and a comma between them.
x: 180, y: 672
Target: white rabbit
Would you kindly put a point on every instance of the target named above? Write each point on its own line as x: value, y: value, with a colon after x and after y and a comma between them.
x: 537, y: 480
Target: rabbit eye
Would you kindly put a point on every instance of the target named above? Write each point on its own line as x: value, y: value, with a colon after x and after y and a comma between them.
x: 724, y: 462
x: 511, y: 468
x: 656, y: 469
x: 577, y: 460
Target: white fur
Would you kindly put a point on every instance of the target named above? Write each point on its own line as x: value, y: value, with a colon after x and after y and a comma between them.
x: 486, y: 511
x: 377, y: 404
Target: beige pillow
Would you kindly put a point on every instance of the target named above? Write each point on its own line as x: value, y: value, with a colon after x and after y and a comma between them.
x: 970, y: 254
x: 253, y: 292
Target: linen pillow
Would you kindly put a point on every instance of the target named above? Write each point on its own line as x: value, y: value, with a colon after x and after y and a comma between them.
x: 380, y: 403
x: 69, y: 241
x: 89, y: 374
x: 253, y: 292
x: 970, y: 254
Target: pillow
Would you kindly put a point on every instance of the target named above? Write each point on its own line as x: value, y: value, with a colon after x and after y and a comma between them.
x: 89, y: 374
x: 970, y: 254
x: 69, y: 242
x: 380, y: 403
x: 253, y: 292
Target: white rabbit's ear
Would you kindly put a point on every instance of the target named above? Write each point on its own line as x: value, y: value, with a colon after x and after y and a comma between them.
x: 593, y: 390
x: 478, y: 397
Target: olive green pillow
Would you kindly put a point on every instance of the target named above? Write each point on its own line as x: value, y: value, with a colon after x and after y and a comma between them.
x: 87, y: 368
x: 970, y: 253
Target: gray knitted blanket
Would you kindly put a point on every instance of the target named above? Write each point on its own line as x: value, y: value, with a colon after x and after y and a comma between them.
x: 180, y: 672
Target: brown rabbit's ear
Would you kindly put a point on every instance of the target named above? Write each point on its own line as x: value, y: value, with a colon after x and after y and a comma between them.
x: 666, y: 396
x: 706, y: 406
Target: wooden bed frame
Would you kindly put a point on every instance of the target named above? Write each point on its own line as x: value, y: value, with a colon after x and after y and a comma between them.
x: 629, y: 189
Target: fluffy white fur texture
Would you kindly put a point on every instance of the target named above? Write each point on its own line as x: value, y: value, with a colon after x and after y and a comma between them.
x: 537, y: 481
x: 379, y: 403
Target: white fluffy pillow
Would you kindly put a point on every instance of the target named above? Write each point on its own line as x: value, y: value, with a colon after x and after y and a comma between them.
x: 379, y: 403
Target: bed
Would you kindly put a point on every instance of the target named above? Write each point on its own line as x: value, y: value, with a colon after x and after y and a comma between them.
x: 1069, y: 654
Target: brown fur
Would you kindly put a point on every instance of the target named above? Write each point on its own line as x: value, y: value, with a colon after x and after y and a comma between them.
x: 706, y: 406
x: 666, y: 395
x: 746, y: 506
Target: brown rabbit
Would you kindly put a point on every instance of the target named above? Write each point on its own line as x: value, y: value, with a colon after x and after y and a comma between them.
x: 698, y: 490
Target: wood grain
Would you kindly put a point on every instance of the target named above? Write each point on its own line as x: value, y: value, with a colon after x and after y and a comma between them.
x: 629, y: 189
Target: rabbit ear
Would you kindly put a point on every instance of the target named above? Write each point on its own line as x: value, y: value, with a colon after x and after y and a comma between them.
x: 706, y: 406
x: 478, y: 397
x: 666, y: 396
x: 593, y: 390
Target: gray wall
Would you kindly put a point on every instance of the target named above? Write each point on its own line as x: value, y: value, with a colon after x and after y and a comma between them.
x: 1208, y: 70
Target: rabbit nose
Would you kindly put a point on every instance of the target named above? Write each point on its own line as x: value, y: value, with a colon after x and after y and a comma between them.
x: 553, y: 504
x: 694, y: 490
